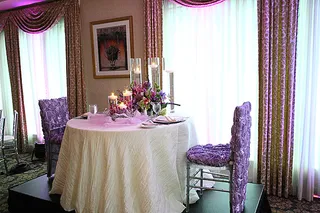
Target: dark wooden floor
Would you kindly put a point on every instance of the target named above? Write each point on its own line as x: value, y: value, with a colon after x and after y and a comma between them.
x: 218, y: 202
x: 33, y: 196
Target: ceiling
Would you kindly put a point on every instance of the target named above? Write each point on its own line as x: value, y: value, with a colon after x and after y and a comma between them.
x: 11, y: 4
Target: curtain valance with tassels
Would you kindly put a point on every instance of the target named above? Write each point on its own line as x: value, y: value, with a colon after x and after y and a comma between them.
x: 36, y: 19
x: 197, y: 3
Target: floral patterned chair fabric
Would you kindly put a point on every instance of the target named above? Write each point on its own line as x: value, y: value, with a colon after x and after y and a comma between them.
x: 210, y: 155
x: 54, y: 115
x: 233, y: 156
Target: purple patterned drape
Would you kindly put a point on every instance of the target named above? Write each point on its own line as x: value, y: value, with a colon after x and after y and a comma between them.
x: 13, y: 57
x: 153, y: 29
x: 197, y: 3
x: 278, y: 21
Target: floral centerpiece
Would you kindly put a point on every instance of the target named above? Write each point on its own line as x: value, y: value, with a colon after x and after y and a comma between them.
x: 142, y: 97
x: 143, y: 94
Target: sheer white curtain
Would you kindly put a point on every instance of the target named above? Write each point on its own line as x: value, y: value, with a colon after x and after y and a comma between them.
x: 5, y: 87
x: 306, y: 163
x: 43, y: 68
x: 213, y: 52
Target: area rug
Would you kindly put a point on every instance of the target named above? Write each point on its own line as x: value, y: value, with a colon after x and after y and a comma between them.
x: 37, y: 168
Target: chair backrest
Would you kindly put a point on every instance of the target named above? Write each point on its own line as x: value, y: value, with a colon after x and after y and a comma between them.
x: 54, y: 113
x: 2, y: 124
x: 240, y: 146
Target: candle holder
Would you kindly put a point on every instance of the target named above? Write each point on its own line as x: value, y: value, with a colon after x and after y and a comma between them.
x: 154, y: 71
x: 168, y: 85
x: 113, y: 100
x: 135, y: 70
x: 127, y: 97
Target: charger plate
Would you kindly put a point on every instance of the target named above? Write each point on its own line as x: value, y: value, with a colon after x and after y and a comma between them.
x: 169, y: 119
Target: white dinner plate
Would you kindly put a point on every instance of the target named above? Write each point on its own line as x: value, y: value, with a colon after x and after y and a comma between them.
x: 168, y: 119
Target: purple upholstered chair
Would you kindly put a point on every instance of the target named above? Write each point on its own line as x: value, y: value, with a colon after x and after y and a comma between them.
x: 233, y: 156
x: 54, y: 115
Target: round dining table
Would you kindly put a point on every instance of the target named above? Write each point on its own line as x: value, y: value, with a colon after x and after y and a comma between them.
x: 108, y: 166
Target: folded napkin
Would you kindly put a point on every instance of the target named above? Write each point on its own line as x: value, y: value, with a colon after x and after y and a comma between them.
x: 149, y: 123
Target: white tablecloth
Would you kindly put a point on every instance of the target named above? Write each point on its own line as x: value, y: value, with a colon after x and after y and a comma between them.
x: 117, y: 167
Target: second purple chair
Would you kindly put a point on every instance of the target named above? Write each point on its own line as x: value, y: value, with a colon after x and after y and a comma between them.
x: 54, y: 115
x: 233, y: 157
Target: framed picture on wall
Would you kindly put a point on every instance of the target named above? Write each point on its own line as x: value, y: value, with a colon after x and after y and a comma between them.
x: 112, y: 47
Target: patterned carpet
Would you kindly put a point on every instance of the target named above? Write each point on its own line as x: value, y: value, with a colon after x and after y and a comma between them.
x: 293, y: 205
x: 38, y: 168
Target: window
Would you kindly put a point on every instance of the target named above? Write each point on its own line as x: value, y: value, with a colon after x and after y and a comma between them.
x: 213, y: 52
x: 5, y: 87
x: 43, y: 68
x: 306, y: 163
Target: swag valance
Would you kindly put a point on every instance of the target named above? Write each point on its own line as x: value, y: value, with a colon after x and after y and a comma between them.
x: 197, y: 3
x: 38, y: 18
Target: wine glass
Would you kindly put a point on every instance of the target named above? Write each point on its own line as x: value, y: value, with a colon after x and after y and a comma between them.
x: 156, y: 107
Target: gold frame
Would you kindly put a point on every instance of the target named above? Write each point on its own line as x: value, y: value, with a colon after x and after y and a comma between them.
x: 128, y: 47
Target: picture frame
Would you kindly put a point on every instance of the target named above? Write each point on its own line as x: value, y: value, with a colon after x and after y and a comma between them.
x: 112, y: 47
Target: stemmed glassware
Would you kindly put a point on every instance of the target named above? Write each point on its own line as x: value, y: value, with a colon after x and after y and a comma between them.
x: 156, y: 107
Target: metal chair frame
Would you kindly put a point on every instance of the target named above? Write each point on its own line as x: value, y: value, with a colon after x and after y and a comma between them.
x: 9, y: 145
x: 217, y: 177
x: 2, y: 123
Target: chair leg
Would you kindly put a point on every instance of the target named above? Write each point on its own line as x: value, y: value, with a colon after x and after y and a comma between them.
x: 231, y: 188
x: 32, y: 155
x: 17, y: 156
x: 201, y: 181
x: 49, y: 166
x: 4, y: 161
x: 5, y: 166
x: 187, y: 187
x: 16, y: 151
x: 49, y: 163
